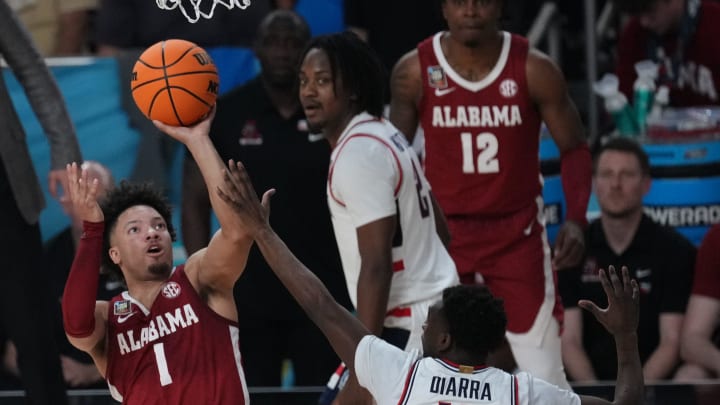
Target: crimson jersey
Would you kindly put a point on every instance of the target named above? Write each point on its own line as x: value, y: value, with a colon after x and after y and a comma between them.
x: 481, y: 138
x: 177, y: 352
x: 707, y: 265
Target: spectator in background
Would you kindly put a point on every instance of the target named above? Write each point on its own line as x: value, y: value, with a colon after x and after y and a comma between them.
x: 23, y: 312
x: 658, y: 257
x: 700, y: 341
x: 58, y: 27
x: 680, y: 35
x: 262, y: 125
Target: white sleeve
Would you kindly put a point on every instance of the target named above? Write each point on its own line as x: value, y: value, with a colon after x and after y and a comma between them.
x: 534, y: 391
x: 364, y: 178
x: 382, y: 368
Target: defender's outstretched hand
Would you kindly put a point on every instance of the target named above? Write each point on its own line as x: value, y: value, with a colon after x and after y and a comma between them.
x: 186, y: 134
x: 240, y: 195
x: 82, y: 192
x: 621, y: 315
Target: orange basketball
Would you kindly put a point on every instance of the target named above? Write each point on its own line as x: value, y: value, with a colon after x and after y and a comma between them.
x: 175, y: 81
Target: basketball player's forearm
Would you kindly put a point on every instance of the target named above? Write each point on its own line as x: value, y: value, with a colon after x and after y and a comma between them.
x: 576, y: 177
x: 630, y: 387
x: 212, y: 167
x: 78, y: 300
x: 339, y: 326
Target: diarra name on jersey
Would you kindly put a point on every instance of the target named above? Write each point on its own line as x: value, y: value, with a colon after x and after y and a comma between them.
x: 485, y: 116
x: 163, y: 325
x: 460, y: 387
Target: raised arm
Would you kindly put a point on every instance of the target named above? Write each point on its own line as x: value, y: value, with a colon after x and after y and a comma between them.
x: 213, y: 271
x: 406, y: 91
x: 620, y: 318
x: 548, y: 91
x: 85, y: 320
x: 195, y: 211
x: 341, y: 328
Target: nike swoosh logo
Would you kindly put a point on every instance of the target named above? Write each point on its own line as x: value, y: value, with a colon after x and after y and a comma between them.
x: 123, y: 318
x: 315, y: 137
x: 442, y: 92
x: 527, y: 230
x: 642, y: 273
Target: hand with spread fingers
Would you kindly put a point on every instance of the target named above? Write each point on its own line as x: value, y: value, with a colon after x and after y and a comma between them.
x: 240, y: 195
x: 82, y: 192
x: 622, y: 313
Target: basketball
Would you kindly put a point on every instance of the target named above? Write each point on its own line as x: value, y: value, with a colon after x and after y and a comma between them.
x: 175, y: 82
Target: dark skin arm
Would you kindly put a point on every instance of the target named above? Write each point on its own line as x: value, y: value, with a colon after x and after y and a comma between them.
x: 620, y: 318
x: 375, y: 245
x: 341, y: 328
x: 548, y: 91
x: 406, y: 90
x: 195, y: 208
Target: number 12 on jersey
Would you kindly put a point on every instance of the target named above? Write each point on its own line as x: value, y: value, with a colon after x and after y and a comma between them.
x: 479, y: 156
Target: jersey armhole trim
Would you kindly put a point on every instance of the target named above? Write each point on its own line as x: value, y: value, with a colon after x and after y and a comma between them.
x: 337, y: 156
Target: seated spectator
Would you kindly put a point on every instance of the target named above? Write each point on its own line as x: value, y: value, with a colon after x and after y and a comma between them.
x: 680, y: 35
x: 658, y: 257
x: 700, y: 338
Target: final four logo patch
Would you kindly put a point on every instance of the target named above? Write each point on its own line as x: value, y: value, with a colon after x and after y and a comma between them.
x: 436, y: 77
x: 123, y: 307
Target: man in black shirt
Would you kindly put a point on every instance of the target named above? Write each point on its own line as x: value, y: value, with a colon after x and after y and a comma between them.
x: 262, y: 125
x: 658, y: 257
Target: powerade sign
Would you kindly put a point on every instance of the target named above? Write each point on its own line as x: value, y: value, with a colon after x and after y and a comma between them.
x: 690, y: 205
x: 681, y: 216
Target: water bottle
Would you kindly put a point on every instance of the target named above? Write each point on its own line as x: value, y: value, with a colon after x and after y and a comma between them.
x: 617, y: 105
x: 644, y: 90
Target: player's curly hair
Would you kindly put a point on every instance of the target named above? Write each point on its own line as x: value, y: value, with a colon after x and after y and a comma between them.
x: 476, y: 320
x: 119, y: 199
x: 358, y: 67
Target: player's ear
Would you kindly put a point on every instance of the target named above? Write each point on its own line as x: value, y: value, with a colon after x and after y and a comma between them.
x: 114, y: 255
x: 444, y: 342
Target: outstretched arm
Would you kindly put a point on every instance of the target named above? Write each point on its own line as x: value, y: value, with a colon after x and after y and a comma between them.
x: 620, y: 318
x: 340, y: 327
x: 214, y: 270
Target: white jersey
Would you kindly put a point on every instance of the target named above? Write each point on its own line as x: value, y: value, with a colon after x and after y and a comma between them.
x: 403, y: 378
x: 374, y: 174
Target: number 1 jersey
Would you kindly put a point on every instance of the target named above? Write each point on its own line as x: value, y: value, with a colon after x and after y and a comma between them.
x: 482, y: 137
x: 177, y: 352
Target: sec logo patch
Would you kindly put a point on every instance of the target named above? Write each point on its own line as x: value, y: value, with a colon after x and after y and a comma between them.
x: 171, y: 290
